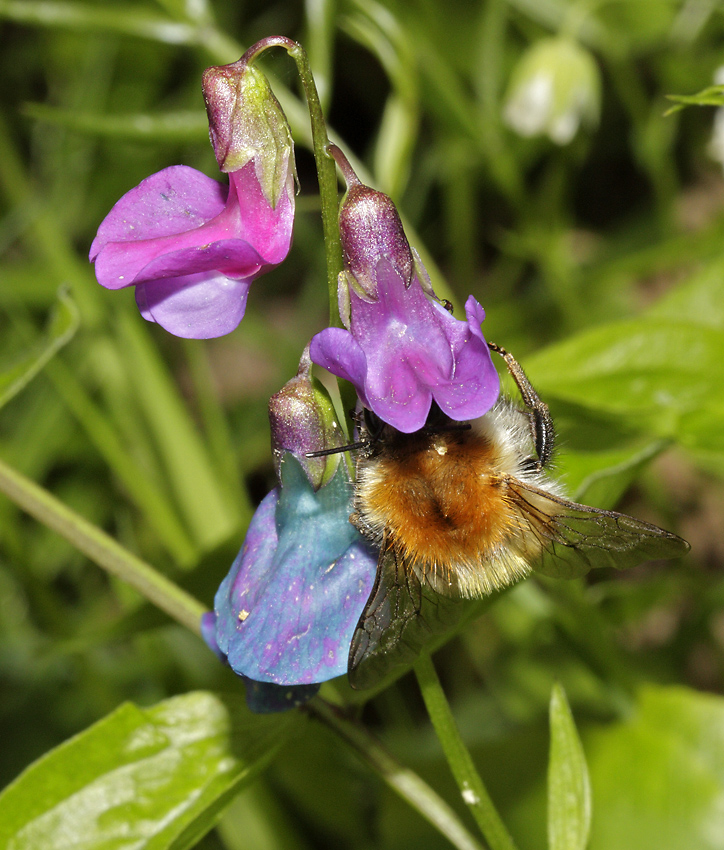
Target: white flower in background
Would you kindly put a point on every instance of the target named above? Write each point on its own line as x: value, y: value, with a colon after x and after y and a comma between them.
x: 554, y: 88
x: 716, y: 145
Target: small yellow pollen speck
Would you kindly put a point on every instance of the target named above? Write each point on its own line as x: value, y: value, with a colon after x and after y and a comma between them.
x: 441, y: 448
x: 243, y: 615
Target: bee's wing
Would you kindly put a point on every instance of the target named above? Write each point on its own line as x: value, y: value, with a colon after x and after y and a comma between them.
x: 557, y: 537
x: 575, y: 538
x: 401, y: 617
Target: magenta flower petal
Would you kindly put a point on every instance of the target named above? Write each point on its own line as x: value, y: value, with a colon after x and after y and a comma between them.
x: 476, y: 385
x: 193, y: 246
x: 267, y: 228
x: 171, y: 201
x: 403, y: 351
x: 198, y: 306
x: 337, y: 351
x: 149, y: 221
x: 219, y: 243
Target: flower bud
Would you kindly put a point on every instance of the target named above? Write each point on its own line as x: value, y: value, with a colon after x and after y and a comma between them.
x: 554, y: 88
x: 303, y: 420
x: 246, y: 122
x: 371, y: 230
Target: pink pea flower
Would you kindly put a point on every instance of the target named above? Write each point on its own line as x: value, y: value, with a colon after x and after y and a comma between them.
x: 191, y: 246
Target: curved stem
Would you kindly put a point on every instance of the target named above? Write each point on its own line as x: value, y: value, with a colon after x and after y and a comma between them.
x: 326, y: 169
x: 403, y: 781
x: 101, y: 548
x: 472, y: 788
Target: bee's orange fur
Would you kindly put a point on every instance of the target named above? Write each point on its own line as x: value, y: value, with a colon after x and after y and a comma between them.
x: 440, y: 497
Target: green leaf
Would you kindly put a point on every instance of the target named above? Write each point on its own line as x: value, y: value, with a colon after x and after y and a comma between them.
x: 141, y: 778
x: 699, y: 300
x: 601, y: 478
x: 710, y: 96
x: 569, y: 790
x: 63, y: 324
x: 658, y: 777
x: 655, y: 372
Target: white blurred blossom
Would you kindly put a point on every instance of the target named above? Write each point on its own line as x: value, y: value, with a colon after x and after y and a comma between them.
x: 554, y: 89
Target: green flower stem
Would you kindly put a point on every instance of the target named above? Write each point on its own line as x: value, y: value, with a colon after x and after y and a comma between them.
x: 403, y: 781
x: 327, y: 176
x: 101, y: 548
x: 326, y: 168
x: 471, y: 786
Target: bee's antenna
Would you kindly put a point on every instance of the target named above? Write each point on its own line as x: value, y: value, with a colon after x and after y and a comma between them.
x: 360, y: 444
x: 541, y: 423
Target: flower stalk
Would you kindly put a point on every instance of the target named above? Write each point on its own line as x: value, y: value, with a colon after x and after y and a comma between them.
x: 326, y: 170
x: 472, y: 788
x: 403, y: 781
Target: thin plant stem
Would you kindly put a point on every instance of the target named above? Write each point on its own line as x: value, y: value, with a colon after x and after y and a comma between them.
x: 326, y: 169
x: 403, y: 781
x: 472, y: 788
x: 101, y: 548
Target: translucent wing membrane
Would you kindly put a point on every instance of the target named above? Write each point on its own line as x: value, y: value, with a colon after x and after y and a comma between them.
x: 576, y: 538
x: 402, y: 616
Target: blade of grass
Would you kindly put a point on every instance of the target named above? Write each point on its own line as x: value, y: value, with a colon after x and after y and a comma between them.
x: 101, y: 548
x: 403, y: 781
x: 210, y: 518
x: 472, y: 788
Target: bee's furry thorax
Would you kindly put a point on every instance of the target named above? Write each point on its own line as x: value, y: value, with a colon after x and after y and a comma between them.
x: 439, y: 500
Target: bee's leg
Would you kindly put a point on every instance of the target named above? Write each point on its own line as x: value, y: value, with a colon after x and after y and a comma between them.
x: 541, y: 424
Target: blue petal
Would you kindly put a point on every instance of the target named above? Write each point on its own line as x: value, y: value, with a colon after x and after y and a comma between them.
x: 261, y: 697
x: 208, y: 633
x: 289, y: 606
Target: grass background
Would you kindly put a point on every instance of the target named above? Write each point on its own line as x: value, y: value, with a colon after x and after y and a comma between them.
x: 600, y: 265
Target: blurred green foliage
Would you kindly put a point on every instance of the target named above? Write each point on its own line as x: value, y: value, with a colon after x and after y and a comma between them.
x: 601, y: 267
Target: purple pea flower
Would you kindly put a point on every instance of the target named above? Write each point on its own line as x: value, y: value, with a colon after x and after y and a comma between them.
x: 191, y: 246
x: 286, y: 612
x: 400, y: 348
x: 261, y: 697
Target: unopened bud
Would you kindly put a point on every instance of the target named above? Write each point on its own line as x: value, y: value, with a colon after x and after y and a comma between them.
x: 246, y: 122
x: 554, y: 89
x: 371, y: 230
x: 302, y: 421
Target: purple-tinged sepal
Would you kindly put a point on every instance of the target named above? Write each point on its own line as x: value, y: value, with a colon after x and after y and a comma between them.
x: 246, y: 123
x: 400, y: 347
x: 370, y: 228
x: 286, y: 612
x: 303, y: 421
